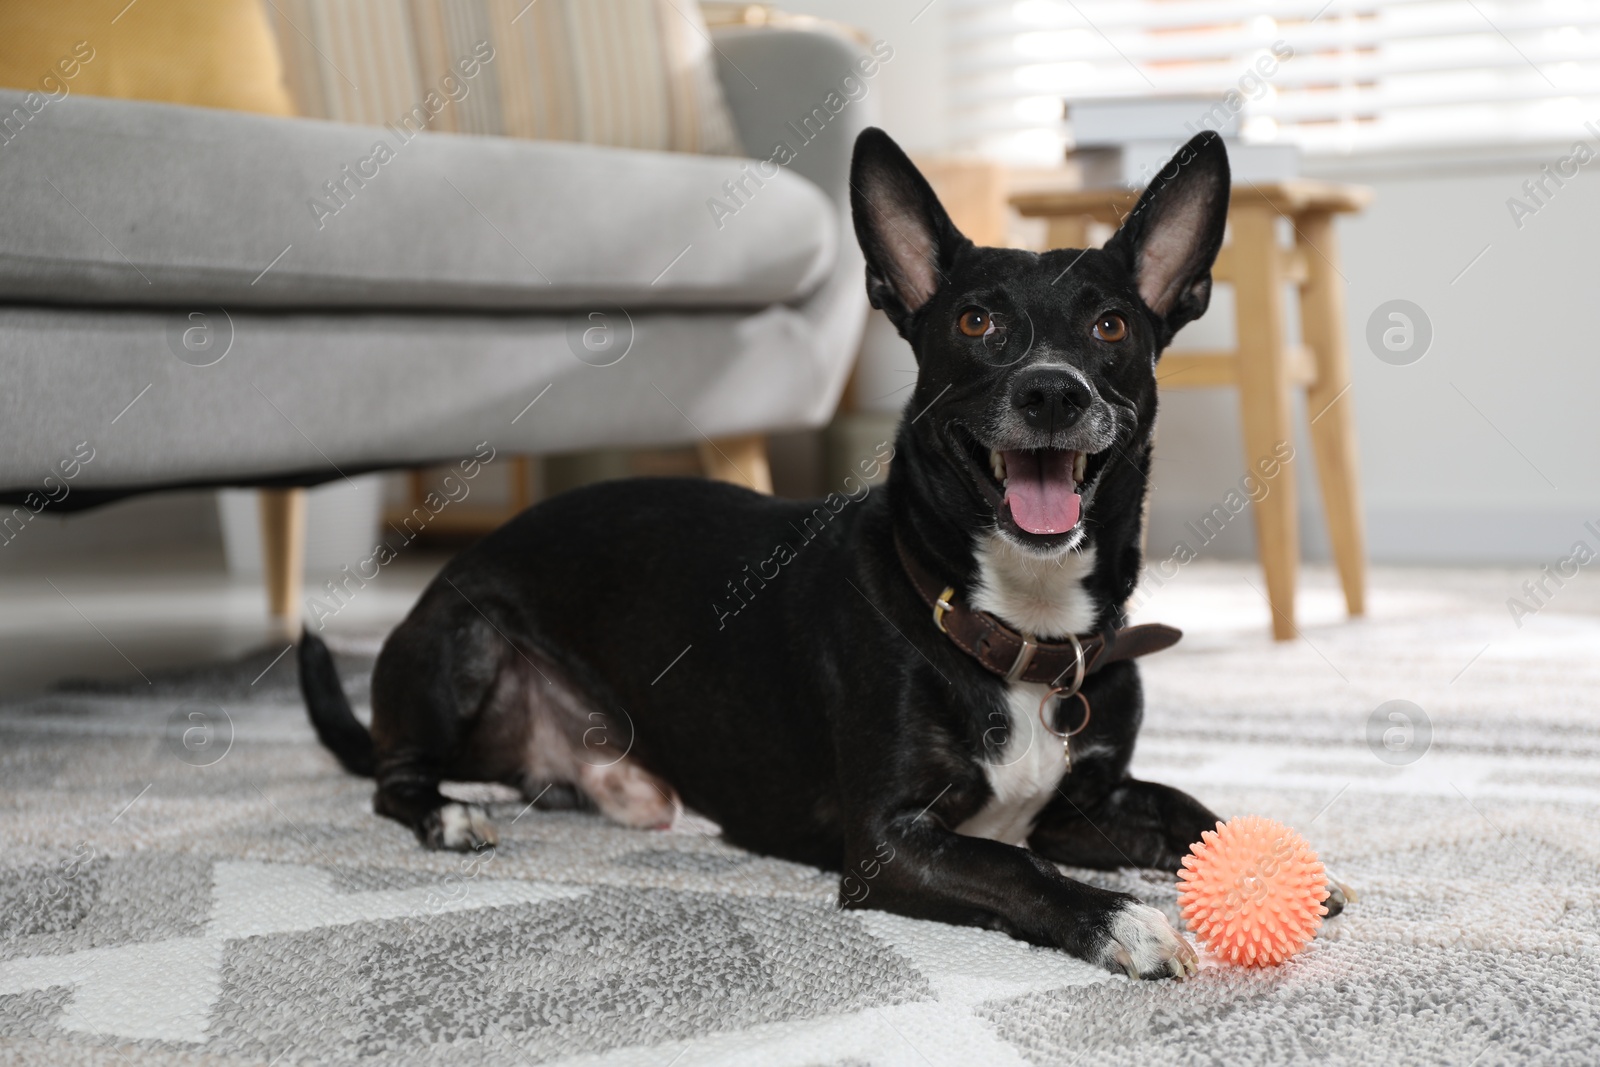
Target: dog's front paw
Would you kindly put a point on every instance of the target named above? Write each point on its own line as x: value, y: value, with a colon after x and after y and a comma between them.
x: 459, y: 828
x: 1142, y: 944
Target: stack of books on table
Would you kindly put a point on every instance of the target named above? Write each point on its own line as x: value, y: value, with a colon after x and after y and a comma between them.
x: 1123, y: 142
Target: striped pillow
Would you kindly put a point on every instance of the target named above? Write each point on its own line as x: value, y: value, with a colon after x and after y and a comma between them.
x: 628, y: 73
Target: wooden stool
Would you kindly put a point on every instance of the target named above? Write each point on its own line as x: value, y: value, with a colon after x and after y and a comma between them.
x: 1264, y: 366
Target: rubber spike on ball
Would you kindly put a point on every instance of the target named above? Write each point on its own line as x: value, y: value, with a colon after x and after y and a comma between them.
x: 1252, y: 891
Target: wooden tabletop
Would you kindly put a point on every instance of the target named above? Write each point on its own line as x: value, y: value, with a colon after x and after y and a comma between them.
x: 1296, y: 196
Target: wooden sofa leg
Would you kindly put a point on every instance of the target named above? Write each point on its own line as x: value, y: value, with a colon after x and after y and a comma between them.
x: 740, y: 460
x: 283, y: 547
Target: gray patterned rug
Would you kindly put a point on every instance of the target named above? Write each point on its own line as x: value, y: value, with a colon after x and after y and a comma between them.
x: 187, y: 878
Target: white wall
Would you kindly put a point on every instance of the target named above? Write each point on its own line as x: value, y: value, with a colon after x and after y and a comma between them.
x: 912, y: 84
x: 1514, y: 480
x: 1514, y: 335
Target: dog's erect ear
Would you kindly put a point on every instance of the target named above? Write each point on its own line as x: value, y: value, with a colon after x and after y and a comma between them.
x: 1171, y: 239
x: 904, y: 232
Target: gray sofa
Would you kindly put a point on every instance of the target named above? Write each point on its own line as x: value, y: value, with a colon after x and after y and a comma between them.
x: 168, y: 295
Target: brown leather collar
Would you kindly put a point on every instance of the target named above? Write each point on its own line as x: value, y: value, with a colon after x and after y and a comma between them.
x: 1019, y: 657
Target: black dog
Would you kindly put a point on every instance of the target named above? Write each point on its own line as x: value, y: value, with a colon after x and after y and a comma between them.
x: 776, y: 665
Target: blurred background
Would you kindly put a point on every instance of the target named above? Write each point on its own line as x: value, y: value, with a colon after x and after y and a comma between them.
x: 1482, y: 451
x: 1469, y: 125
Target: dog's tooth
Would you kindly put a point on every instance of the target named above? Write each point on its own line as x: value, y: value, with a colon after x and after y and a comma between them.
x: 1080, y: 461
x: 997, y: 463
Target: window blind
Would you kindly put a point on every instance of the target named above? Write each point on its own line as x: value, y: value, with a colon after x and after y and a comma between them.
x: 1363, y: 76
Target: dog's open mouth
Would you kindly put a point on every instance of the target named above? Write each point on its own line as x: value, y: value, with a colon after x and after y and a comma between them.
x: 1038, y: 491
x: 1040, y: 487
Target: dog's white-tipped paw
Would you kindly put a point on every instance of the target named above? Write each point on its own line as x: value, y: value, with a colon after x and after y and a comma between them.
x: 1143, y: 944
x: 461, y: 828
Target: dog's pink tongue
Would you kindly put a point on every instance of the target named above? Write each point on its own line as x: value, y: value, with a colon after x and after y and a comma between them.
x: 1040, y: 491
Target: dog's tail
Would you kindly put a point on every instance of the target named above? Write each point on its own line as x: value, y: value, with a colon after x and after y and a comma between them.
x: 329, y: 709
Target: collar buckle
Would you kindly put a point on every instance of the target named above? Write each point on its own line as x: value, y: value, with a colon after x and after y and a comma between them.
x: 942, y: 605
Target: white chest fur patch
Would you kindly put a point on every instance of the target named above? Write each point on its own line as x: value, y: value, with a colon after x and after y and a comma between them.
x: 1025, y: 772
x: 1043, y: 597
x: 1046, y: 598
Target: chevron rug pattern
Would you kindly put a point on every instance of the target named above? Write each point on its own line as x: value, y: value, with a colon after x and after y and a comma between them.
x: 186, y: 878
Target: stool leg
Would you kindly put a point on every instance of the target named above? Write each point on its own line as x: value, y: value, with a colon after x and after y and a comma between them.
x: 1329, y: 406
x: 740, y: 460
x: 520, y: 467
x: 1258, y: 281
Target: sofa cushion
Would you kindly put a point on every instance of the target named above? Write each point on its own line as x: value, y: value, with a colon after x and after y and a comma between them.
x: 625, y: 73
x: 121, y: 202
x: 327, y: 392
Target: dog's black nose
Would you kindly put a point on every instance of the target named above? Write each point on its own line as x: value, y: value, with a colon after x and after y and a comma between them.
x: 1050, y: 399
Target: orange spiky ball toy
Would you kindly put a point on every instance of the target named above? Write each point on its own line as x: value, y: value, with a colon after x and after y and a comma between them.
x: 1252, y: 891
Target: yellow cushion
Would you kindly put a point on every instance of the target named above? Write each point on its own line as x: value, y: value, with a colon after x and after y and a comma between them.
x: 208, y: 53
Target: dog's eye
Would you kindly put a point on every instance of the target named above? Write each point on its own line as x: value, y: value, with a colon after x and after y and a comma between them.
x: 974, y: 322
x: 1111, y: 327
